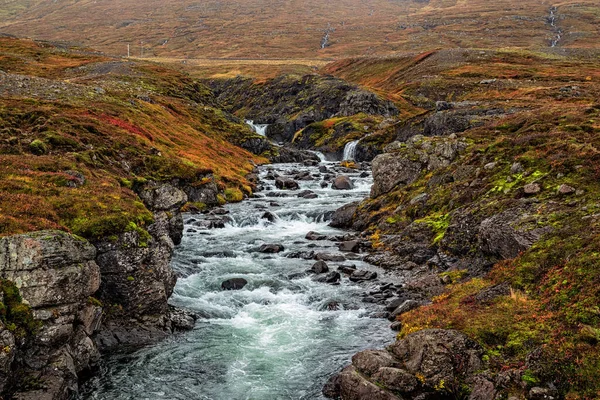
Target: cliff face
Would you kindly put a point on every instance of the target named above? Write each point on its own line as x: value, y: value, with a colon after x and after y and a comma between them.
x: 56, y: 274
x: 80, y: 300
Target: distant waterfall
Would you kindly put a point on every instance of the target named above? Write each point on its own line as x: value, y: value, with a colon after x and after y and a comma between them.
x: 261, y: 129
x: 350, y: 151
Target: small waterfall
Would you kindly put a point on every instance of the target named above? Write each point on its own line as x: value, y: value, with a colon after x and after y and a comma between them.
x: 350, y: 151
x: 320, y: 155
x: 261, y: 129
x: 558, y: 32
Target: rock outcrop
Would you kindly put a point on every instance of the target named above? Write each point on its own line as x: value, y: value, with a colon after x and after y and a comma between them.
x: 429, y: 364
x: 403, y: 162
x: 55, y: 274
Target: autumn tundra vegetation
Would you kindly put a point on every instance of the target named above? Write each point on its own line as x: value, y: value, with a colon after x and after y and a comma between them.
x: 481, y: 120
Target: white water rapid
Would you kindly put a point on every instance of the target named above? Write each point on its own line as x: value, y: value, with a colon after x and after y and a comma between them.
x: 278, y: 337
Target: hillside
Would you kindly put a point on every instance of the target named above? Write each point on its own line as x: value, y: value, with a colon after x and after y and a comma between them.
x: 253, y: 29
x: 487, y: 204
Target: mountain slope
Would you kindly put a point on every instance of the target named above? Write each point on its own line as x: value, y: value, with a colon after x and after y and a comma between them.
x: 284, y: 29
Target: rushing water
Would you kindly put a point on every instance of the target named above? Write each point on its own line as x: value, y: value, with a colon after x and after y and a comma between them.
x: 261, y: 129
x: 350, y: 151
x: 274, y: 339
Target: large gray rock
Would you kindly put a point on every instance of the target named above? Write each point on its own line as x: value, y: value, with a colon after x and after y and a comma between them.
x: 50, y: 268
x: 403, y: 162
x: 56, y: 274
x: 162, y: 196
x: 438, y: 354
x: 342, y: 182
x: 342, y: 218
x: 136, y: 272
x: 353, y: 386
x: 507, y: 234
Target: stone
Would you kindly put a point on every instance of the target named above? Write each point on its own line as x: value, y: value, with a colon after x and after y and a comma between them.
x: 162, y: 196
x: 532, y: 188
x: 234, y: 284
x: 363, y: 275
x: 396, y: 379
x: 438, y: 354
x: 483, y: 389
x: 370, y: 361
x: 352, y: 246
x: 347, y: 269
x: 286, y: 184
x: 565, y: 189
x: 271, y: 248
x: 330, y: 257
x: 342, y: 182
x: 405, y: 307
x: 396, y: 326
x: 516, y: 168
x: 353, y: 386
x: 315, y: 236
x: 269, y: 216
x: 539, y: 393
x: 342, y: 217
x: 320, y: 267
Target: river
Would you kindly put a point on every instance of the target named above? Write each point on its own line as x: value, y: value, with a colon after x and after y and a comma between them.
x: 274, y: 339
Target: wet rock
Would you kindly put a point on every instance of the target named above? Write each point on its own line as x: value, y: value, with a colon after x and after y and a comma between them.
x: 234, y: 284
x: 330, y: 257
x: 219, y: 211
x: 396, y: 379
x: 347, y: 269
x: 271, y: 248
x: 323, y: 184
x: 353, y: 386
x: 306, y: 255
x: 363, y: 275
x: 405, y: 307
x: 269, y: 216
x: 370, y: 361
x: 352, y: 246
x: 342, y: 182
x: 320, y: 267
x: 315, y: 236
x: 396, y: 326
x: 438, y: 354
x: 308, y: 194
x: 343, y: 216
x: 333, y: 277
x: 286, y: 183
x: 184, y: 320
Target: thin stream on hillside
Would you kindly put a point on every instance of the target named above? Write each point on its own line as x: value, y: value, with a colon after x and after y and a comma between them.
x: 274, y: 339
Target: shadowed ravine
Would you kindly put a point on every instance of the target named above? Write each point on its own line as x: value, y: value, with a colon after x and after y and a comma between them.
x: 274, y: 339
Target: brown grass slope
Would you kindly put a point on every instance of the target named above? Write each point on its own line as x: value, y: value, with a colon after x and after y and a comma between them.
x: 285, y: 29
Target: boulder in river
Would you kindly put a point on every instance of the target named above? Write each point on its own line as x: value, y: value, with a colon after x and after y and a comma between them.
x: 351, y: 246
x: 312, y: 235
x: 342, y: 182
x: 286, y: 183
x: 271, y: 248
x: 320, y: 267
x: 330, y: 257
x: 269, y: 216
x: 362, y: 275
x: 234, y: 284
x: 342, y: 218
